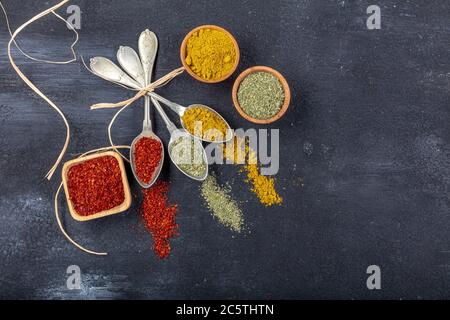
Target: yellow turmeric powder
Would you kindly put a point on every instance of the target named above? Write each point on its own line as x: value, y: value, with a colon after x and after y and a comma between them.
x: 263, y: 186
x: 210, y: 54
x: 203, y: 123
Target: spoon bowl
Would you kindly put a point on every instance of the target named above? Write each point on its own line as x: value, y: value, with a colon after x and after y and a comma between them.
x: 182, y: 133
x: 151, y: 135
x: 175, y: 134
x: 228, y: 135
x: 181, y: 110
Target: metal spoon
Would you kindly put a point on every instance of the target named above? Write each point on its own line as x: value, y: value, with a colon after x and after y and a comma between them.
x: 176, y: 134
x: 180, y: 110
x: 108, y: 70
x: 148, y: 48
x: 130, y: 62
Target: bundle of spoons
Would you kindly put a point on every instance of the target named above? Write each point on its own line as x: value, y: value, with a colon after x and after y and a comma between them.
x: 185, y: 148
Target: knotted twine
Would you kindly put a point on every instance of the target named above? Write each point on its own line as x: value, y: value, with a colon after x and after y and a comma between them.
x: 123, y: 104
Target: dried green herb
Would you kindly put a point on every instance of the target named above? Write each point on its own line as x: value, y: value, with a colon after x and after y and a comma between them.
x: 261, y: 95
x: 188, y: 156
x: 221, y: 205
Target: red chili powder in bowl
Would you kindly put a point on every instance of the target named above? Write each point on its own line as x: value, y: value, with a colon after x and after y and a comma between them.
x: 95, y: 185
x: 147, y: 156
x: 159, y: 217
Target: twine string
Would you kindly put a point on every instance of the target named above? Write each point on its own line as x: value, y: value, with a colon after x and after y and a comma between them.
x: 141, y: 92
x: 126, y: 103
x: 121, y: 104
x: 29, y: 82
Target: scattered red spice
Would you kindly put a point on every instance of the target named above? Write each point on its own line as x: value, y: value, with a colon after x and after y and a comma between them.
x: 147, y: 156
x: 159, y: 217
x: 95, y: 185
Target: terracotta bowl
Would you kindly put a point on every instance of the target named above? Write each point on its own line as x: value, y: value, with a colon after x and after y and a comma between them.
x: 183, y: 54
x: 287, y: 94
x: 125, y: 205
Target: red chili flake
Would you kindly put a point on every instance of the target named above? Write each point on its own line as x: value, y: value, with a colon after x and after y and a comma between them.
x: 159, y: 217
x: 95, y: 185
x: 147, y: 156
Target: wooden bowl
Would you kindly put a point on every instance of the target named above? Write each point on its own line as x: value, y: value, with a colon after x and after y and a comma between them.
x: 284, y: 106
x: 126, y: 188
x: 183, y: 54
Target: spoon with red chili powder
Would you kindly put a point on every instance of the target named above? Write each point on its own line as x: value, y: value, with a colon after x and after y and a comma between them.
x: 147, y: 152
x: 106, y: 69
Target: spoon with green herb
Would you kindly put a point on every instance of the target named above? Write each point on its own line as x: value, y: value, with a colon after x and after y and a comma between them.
x: 186, y: 152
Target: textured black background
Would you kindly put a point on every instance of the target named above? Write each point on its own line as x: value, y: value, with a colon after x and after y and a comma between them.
x: 365, y: 167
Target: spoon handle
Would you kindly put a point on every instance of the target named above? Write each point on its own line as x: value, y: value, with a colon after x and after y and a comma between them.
x: 175, y: 107
x: 169, y: 124
x: 148, y: 47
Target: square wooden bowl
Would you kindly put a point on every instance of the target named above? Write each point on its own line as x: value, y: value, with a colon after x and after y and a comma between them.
x: 126, y: 188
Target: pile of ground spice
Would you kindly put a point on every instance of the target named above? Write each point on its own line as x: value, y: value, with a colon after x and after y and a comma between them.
x: 262, y: 186
x: 205, y: 124
x: 238, y: 152
x: 147, y: 156
x: 221, y: 205
x: 210, y: 54
x: 159, y: 217
x: 95, y: 185
x: 187, y: 154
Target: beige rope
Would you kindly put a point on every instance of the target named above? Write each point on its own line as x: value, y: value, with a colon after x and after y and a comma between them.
x: 58, y: 219
x: 53, y: 105
x: 123, y: 104
x: 126, y: 103
x: 142, y: 92
x: 72, y: 46
x: 30, y: 84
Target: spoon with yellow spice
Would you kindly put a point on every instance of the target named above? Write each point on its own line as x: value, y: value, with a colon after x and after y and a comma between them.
x: 200, y: 121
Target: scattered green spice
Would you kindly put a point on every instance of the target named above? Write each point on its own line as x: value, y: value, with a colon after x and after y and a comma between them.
x: 188, y: 156
x: 221, y: 205
x: 261, y: 95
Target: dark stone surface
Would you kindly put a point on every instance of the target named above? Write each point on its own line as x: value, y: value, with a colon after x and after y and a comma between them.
x: 365, y: 167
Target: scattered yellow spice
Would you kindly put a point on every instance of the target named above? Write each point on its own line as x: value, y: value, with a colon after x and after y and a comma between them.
x: 263, y: 186
x: 210, y: 54
x: 235, y: 150
x: 205, y: 124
